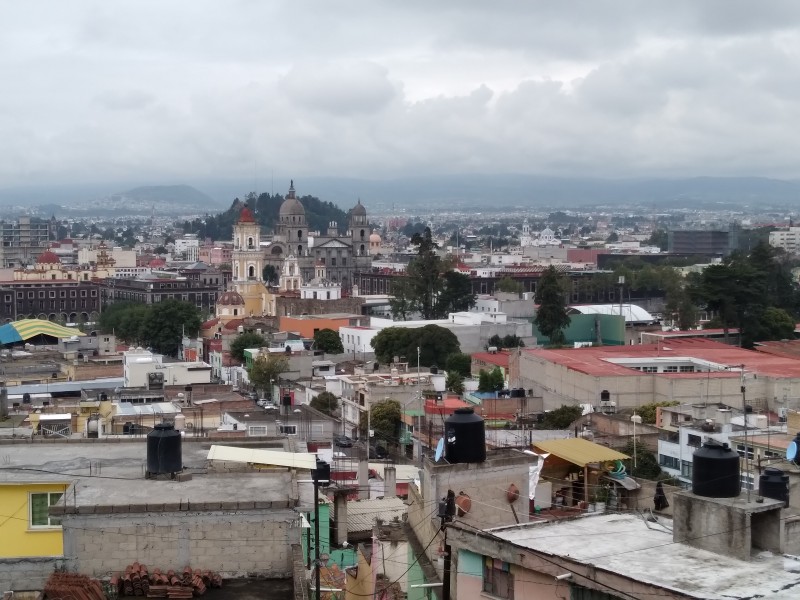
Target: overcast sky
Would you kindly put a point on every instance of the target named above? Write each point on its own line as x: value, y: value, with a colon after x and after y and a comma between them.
x: 172, y: 91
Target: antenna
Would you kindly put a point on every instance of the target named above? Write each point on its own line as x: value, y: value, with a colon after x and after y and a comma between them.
x: 440, y: 450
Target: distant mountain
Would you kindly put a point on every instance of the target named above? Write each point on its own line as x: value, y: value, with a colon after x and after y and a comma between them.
x: 169, y: 195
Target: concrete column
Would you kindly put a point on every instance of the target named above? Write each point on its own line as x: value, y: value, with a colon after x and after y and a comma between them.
x: 389, y: 482
x: 363, y: 480
x: 340, y: 516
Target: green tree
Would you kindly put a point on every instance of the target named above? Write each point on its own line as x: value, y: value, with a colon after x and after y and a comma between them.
x: 560, y: 418
x: 647, y: 466
x: 328, y: 341
x: 484, y: 384
x: 430, y: 287
x: 325, y: 402
x: 776, y: 324
x: 384, y: 419
x: 243, y: 341
x: 491, y: 381
x: 269, y: 274
x: 648, y: 411
x: 167, y: 322
x: 659, y: 238
x: 459, y: 363
x: 455, y: 382
x: 551, y: 317
x: 508, y: 285
x: 435, y: 343
x: 266, y: 370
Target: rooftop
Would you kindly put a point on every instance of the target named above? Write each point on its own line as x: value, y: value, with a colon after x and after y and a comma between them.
x: 362, y: 515
x: 597, y: 360
x: 624, y: 544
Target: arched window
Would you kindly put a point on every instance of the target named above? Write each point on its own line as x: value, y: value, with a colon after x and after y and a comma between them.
x: 362, y: 234
x: 299, y: 235
x: 299, y: 251
x: 251, y: 271
x: 250, y: 242
x: 363, y: 251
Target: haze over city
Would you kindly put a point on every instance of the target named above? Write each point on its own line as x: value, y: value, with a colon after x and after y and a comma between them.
x: 248, y: 92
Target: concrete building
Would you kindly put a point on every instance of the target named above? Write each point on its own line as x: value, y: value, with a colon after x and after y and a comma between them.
x: 220, y: 517
x: 687, y: 371
x: 24, y: 240
x: 788, y: 239
x: 142, y: 368
x: 705, y: 242
x: 187, y: 247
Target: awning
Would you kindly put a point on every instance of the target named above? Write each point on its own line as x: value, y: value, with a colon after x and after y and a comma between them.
x: 627, y: 482
x: 579, y: 451
x: 25, y: 329
x: 257, y: 456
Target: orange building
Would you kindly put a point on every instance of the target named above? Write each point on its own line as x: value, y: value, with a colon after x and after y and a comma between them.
x: 307, y: 325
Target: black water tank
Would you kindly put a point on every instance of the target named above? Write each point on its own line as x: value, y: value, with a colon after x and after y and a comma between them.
x: 465, y: 438
x: 164, y: 450
x: 605, y: 396
x: 774, y: 483
x: 715, y: 472
x: 434, y: 370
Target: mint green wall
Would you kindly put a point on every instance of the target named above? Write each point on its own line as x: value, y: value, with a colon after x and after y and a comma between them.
x: 583, y: 328
x: 344, y: 557
x: 470, y: 563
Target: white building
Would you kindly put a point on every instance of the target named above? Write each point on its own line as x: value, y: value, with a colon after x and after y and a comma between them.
x: 188, y: 247
x: 143, y: 368
x: 788, y: 239
x: 320, y: 288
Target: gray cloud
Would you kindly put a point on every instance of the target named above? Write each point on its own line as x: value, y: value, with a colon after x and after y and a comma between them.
x: 181, y: 90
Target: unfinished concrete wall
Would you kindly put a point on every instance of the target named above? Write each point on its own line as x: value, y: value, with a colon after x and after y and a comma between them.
x: 235, y: 543
x: 27, y: 574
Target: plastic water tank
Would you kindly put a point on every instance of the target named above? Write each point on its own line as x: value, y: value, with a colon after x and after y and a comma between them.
x: 465, y: 437
x: 774, y: 483
x: 180, y: 422
x: 715, y: 472
x: 164, y: 450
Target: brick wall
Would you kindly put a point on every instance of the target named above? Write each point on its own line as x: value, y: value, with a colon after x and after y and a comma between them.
x: 235, y: 543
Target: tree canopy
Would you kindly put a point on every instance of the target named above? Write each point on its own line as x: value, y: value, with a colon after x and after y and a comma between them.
x: 243, y: 341
x: 436, y: 344
x: 551, y: 316
x: 455, y: 382
x: 266, y: 369
x: 328, y: 341
x: 491, y: 381
x: 430, y: 286
x: 325, y: 402
x: 384, y: 418
x: 159, y: 326
x: 560, y: 418
x: 508, y: 285
x: 459, y: 363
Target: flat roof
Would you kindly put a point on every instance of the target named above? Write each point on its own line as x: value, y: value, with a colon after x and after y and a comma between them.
x: 625, y: 545
x: 363, y: 514
x: 596, y: 361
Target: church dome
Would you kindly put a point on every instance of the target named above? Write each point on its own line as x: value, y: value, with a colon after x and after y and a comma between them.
x: 359, y: 210
x: 231, y: 298
x: 374, y: 238
x: 292, y: 206
x: 48, y: 258
x: 246, y: 216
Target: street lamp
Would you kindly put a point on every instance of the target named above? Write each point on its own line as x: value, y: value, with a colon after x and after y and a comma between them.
x: 635, y: 419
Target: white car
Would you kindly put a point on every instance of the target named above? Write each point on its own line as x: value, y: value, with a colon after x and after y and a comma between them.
x: 266, y: 404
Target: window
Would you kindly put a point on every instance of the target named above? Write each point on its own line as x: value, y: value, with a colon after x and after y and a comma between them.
x: 747, y: 481
x: 650, y: 369
x: 40, y: 509
x: 287, y: 429
x: 687, y: 368
x: 740, y: 448
x: 52, y: 294
x: 686, y: 469
x: 669, y: 462
x: 497, y: 578
x: 694, y: 440
x: 671, y: 369
x: 257, y: 430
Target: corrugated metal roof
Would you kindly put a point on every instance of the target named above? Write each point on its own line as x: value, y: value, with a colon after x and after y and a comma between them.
x: 579, y: 451
x: 126, y: 409
x: 297, y: 460
x: 58, y: 417
x: 361, y: 515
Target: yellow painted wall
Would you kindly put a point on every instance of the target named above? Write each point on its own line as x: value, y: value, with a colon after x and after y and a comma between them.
x: 17, y: 539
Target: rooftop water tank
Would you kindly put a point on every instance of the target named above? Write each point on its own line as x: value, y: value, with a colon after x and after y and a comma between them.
x: 715, y: 472
x: 774, y: 483
x: 465, y: 437
x: 164, y: 450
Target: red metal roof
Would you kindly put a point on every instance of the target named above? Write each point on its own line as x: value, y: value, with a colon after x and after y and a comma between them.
x: 499, y: 358
x: 595, y: 361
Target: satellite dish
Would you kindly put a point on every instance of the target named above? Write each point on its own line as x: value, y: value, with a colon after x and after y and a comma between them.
x: 791, y: 451
x: 440, y: 450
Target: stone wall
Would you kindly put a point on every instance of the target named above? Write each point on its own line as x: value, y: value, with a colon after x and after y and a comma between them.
x: 24, y: 574
x: 235, y: 543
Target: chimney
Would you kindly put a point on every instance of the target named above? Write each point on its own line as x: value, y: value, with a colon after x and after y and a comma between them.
x: 389, y: 482
x: 363, y: 478
x: 340, y: 516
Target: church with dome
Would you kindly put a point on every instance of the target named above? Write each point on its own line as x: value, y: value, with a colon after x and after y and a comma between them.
x: 315, y: 263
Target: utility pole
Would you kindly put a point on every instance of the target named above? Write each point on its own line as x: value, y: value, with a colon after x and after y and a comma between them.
x: 322, y: 474
x: 447, y: 509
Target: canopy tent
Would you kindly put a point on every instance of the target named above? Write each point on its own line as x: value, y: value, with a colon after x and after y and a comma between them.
x: 579, y: 451
x: 25, y: 329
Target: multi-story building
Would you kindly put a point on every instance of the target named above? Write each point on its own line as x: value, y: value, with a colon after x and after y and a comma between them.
x: 707, y: 242
x: 24, y: 240
x: 188, y: 247
x: 66, y: 300
x: 788, y: 239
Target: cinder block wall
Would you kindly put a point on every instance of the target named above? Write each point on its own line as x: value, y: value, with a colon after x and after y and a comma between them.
x: 235, y: 543
x: 24, y: 574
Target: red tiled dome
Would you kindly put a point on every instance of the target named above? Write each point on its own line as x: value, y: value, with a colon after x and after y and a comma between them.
x: 246, y: 216
x: 231, y: 298
x: 48, y: 258
x: 157, y: 262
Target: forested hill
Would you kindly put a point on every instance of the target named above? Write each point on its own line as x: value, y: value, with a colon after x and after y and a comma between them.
x: 266, y: 208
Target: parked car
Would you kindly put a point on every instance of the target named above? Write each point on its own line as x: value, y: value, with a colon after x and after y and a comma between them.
x: 252, y: 396
x: 342, y: 441
x: 266, y: 404
x: 378, y: 451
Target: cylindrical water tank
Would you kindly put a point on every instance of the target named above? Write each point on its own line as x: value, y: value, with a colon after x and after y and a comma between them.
x: 465, y: 438
x: 715, y: 471
x: 164, y: 450
x: 774, y: 483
